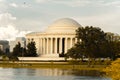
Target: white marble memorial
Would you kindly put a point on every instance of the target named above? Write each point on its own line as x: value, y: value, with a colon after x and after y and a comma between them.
x: 56, y: 39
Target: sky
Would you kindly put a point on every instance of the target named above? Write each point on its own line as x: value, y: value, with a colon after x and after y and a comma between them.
x: 19, y: 17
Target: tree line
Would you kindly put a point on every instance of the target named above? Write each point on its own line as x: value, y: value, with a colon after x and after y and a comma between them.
x: 92, y: 43
x: 29, y: 51
x: 19, y: 51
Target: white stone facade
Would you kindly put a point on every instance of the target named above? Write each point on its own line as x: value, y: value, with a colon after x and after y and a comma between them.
x: 57, y: 39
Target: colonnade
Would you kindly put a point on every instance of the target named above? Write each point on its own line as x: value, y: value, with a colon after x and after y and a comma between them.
x: 55, y: 45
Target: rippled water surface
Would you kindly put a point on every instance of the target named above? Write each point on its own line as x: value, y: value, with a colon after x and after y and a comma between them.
x: 49, y: 74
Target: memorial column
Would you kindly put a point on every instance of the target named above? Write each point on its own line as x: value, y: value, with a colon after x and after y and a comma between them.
x: 51, y: 45
x: 60, y: 46
x: 56, y: 45
x: 47, y: 46
x: 71, y: 42
x: 65, y: 44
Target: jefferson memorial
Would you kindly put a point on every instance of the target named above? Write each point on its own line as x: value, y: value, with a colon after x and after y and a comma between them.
x: 56, y: 39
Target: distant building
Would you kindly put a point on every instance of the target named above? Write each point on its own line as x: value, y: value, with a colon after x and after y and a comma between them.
x: 1, y: 47
x: 22, y: 41
x: 4, y: 46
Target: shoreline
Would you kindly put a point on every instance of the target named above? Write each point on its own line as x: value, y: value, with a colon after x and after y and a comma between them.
x: 61, y: 65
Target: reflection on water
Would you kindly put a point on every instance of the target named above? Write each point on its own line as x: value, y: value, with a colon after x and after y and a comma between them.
x: 48, y: 74
x: 92, y: 73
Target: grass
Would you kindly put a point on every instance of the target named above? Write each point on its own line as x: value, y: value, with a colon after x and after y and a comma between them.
x: 61, y: 65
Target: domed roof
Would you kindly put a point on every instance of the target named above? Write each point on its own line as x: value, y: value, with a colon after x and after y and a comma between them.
x: 64, y: 25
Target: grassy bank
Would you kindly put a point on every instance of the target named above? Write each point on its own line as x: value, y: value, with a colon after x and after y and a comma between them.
x: 63, y: 65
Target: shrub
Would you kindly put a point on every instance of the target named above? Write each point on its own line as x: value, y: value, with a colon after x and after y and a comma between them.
x: 113, y: 70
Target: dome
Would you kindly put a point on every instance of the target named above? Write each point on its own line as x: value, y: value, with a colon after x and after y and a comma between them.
x: 64, y: 25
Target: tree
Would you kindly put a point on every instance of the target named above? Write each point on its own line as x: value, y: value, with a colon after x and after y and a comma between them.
x: 1, y: 52
x: 114, y: 44
x: 31, y: 49
x: 76, y: 52
x: 94, y: 43
x: 91, y: 38
x: 17, y: 50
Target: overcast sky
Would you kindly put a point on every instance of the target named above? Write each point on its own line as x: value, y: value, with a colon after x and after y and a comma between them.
x: 18, y: 17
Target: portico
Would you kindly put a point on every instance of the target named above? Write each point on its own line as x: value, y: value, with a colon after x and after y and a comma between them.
x: 53, y: 45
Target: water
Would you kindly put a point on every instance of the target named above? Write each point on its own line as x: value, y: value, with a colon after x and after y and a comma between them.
x: 48, y: 74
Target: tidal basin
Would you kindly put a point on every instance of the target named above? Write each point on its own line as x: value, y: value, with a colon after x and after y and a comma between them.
x: 49, y: 74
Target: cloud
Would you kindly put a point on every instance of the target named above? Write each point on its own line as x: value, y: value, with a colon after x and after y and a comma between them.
x: 13, y: 5
x: 31, y: 24
x: 8, y: 30
x: 42, y: 1
x: 25, y: 6
x: 18, y: 5
x: 3, y: 6
x: 108, y: 22
x: 113, y: 3
x: 72, y: 3
x: 6, y: 19
x: 10, y: 33
x: 47, y: 1
x: 82, y: 3
x: 1, y: 0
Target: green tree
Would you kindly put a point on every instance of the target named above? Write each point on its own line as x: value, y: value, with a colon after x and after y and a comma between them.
x: 114, y: 44
x: 94, y: 43
x: 17, y: 50
x: 76, y: 52
x: 1, y: 52
x: 31, y: 49
x: 91, y: 38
